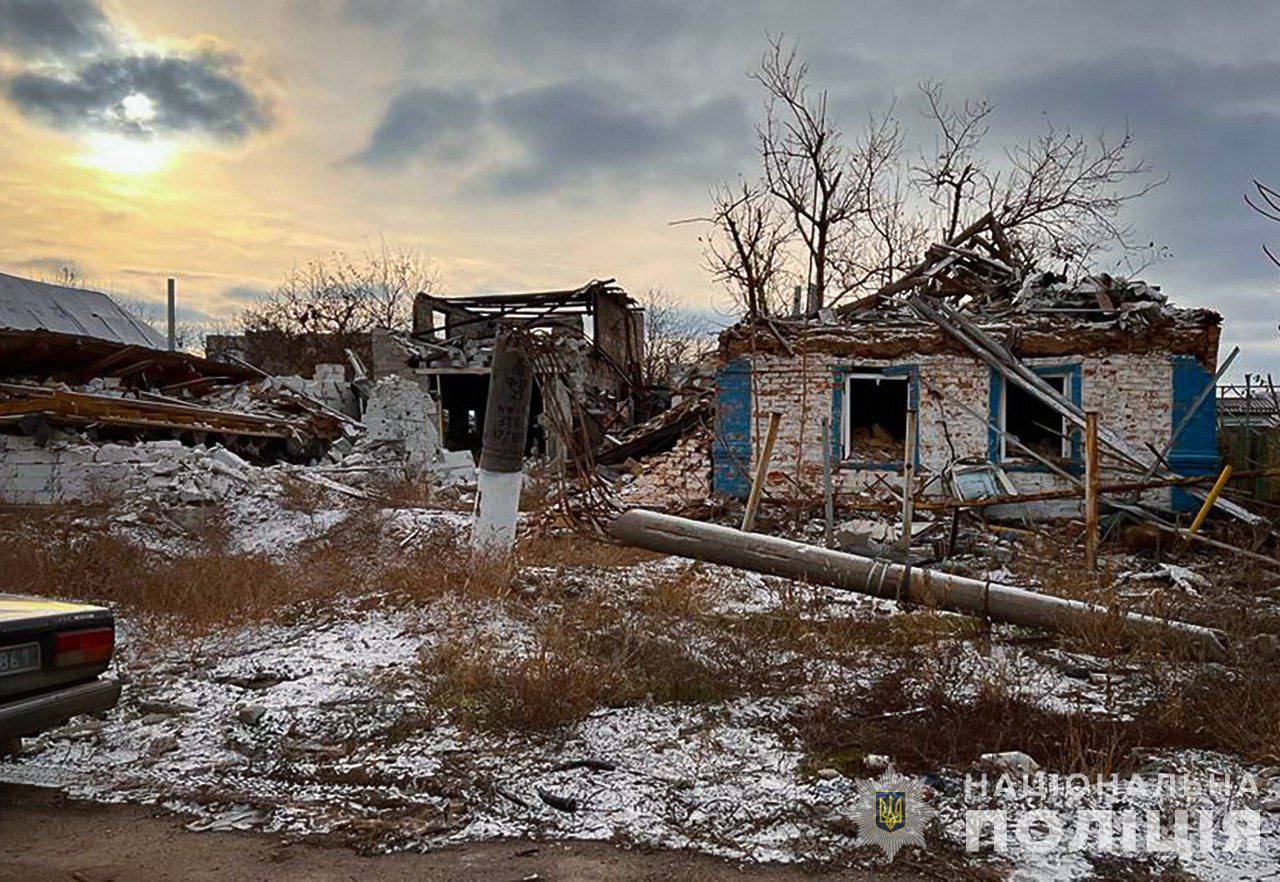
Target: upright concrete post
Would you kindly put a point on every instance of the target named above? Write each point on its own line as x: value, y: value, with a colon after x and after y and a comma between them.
x: 173, y: 318
x: 506, y: 425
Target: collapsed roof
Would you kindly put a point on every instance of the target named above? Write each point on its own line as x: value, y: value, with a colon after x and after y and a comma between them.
x: 27, y: 305
x: 974, y: 277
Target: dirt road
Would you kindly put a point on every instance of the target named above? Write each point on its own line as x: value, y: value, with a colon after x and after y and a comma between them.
x: 44, y: 838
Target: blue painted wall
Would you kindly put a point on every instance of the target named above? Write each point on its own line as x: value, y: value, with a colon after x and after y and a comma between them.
x: 731, y: 452
x: 1196, y: 450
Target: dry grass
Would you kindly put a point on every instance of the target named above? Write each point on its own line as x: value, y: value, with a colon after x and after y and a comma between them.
x: 586, y: 655
x: 572, y: 549
x: 933, y: 710
x: 52, y: 551
x: 413, y: 489
x: 302, y: 496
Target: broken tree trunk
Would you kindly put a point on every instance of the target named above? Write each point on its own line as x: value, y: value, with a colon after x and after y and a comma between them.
x: 773, y: 556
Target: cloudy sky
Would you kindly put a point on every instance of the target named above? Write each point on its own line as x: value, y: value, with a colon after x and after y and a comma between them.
x: 539, y: 144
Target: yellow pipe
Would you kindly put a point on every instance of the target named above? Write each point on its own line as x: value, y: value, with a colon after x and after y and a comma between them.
x: 1209, y: 500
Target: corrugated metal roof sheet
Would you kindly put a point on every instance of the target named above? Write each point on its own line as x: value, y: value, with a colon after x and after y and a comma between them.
x: 27, y: 305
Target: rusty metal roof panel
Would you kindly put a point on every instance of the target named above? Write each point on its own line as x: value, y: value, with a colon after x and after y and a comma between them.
x: 27, y: 305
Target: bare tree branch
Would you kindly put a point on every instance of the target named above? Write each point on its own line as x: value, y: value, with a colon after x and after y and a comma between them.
x: 745, y: 250
x: 340, y: 294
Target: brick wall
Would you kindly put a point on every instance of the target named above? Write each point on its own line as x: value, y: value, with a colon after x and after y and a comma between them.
x: 1131, y: 391
x: 672, y: 480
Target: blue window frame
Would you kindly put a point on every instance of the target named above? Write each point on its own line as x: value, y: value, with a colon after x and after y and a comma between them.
x: 840, y: 402
x: 997, y: 415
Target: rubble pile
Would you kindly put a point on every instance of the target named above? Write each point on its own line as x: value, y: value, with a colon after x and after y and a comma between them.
x: 677, y: 478
x: 210, y: 442
x: 67, y: 469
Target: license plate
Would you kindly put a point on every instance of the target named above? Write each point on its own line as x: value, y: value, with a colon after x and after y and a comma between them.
x: 19, y: 659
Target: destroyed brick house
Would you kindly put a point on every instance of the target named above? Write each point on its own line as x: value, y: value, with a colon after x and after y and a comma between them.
x: 947, y: 346
x: 596, y: 331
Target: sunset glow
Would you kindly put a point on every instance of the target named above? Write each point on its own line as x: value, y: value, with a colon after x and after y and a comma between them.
x: 124, y: 155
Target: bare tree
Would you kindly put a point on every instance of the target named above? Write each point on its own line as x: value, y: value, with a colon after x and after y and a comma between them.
x: 860, y: 216
x: 1064, y: 196
x: 342, y: 295
x: 950, y: 178
x: 673, y: 338
x: 1267, y: 204
x: 806, y: 166
x: 887, y: 235
x: 745, y: 250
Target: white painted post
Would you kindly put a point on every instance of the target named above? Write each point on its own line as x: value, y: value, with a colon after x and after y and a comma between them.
x: 506, y: 426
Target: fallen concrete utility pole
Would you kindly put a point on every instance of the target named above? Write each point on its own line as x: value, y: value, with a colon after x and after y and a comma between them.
x: 773, y: 556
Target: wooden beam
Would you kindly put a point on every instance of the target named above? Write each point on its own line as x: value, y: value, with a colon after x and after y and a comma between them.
x: 1091, y: 482
x: 762, y: 469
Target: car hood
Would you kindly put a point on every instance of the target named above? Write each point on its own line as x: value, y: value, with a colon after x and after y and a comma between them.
x: 14, y: 607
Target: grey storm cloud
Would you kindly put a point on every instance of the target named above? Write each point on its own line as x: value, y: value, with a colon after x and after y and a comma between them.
x: 87, y: 78
x: 203, y: 93
x: 1210, y: 126
x: 563, y: 132
x: 419, y: 120
x: 55, y: 28
x: 571, y: 130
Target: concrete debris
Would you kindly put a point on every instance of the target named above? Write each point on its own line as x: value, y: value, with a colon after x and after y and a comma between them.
x: 1013, y: 762
x: 403, y: 414
x: 104, y: 441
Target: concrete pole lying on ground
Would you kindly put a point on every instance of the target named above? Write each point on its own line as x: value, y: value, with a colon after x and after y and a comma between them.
x: 506, y: 427
x: 773, y: 556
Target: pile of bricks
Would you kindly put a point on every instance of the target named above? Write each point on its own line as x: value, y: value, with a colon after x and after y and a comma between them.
x: 676, y: 479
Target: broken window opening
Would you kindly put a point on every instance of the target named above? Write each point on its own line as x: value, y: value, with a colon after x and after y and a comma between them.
x: 875, y: 416
x: 1033, y: 422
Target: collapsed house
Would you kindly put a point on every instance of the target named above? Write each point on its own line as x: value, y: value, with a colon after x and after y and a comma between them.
x: 938, y: 360
x: 849, y: 387
x: 93, y: 404
x: 596, y: 332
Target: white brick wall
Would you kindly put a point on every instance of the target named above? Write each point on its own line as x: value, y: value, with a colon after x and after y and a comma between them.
x: 1132, y: 392
x: 62, y: 472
